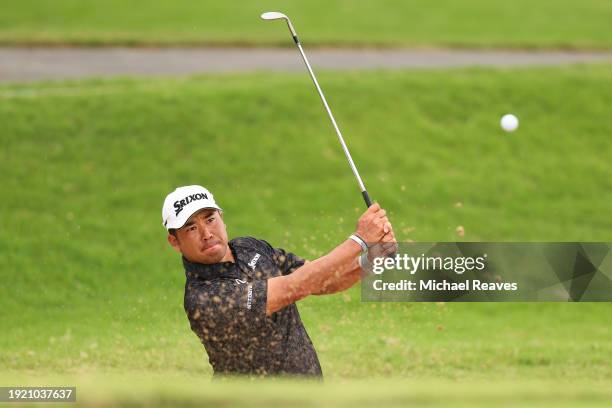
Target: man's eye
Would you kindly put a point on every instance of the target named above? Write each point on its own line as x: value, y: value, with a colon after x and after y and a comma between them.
x: 192, y: 228
x: 211, y: 219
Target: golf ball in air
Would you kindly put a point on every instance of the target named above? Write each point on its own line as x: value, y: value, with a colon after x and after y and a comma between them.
x: 509, y: 123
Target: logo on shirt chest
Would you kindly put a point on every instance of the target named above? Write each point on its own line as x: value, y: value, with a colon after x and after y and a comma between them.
x: 253, y: 261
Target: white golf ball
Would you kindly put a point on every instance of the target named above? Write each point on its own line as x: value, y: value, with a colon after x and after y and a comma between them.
x: 509, y: 123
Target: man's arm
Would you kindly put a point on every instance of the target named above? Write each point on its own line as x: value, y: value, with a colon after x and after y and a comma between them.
x: 309, y: 279
x: 339, y: 268
x: 385, y: 247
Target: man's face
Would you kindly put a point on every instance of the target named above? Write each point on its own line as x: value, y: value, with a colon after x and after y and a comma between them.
x: 203, y: 238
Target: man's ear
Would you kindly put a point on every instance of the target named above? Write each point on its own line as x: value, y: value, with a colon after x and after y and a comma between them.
x: 173, y: 241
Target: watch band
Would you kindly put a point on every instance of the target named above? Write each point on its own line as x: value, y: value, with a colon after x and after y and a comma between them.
x: 361, y: 242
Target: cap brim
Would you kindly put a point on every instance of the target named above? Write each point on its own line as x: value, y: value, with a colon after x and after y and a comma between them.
x: 184, y: 216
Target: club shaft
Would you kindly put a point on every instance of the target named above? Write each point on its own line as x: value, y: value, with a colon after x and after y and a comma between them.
x: 364, y: 192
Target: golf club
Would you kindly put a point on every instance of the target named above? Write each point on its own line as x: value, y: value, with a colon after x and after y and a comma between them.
x: 274, y: 15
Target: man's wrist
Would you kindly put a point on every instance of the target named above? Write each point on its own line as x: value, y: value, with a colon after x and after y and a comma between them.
x: 364, y: 262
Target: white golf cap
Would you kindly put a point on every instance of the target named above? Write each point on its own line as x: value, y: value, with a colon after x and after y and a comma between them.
x: 183, y: 202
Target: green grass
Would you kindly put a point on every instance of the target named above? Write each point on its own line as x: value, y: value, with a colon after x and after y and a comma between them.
x: 443, y: 23
x: 172, y: 390
x: 91, y: 288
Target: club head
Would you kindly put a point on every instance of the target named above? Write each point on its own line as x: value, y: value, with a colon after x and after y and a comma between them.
x: 273, y: 15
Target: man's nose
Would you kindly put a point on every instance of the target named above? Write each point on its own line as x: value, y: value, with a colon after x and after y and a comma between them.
x: 205, y: 232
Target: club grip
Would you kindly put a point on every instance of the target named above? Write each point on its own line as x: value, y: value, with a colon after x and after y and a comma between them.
x: 366, y: 198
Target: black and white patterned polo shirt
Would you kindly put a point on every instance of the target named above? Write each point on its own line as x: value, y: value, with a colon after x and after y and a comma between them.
x: 226, y: 307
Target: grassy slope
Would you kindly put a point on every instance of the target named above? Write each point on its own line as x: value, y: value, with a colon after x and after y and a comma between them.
x: 93, y: 286
x: 470, y: 23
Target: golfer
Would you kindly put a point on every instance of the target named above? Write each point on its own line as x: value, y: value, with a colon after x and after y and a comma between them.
x: 240, y: 295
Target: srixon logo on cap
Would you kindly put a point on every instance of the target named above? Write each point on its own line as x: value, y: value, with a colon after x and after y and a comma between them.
x: 180, y: 204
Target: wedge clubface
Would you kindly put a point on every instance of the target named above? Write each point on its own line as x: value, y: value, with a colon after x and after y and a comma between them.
x: 274, y: 15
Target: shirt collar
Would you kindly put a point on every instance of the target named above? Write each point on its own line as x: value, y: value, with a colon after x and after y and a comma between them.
x: 213, y: 271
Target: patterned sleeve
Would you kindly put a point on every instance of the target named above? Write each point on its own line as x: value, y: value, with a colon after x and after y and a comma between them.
x: 288, y: 262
